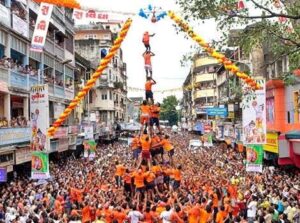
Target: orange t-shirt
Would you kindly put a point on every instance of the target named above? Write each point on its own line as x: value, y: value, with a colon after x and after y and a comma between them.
x: 146, y: 145
x: 204, y: 216
x: 127, y: 178
x: 139, y: 180
x: 150, y: 177
x: 166, y: 145
x: 145, y: 110
x: 86, y: 214
x: 135, y: 143
x: 221, y: 215
x: 120, y: 169
x: 155, y: 140
x: 148, y: 87
x: 147, y: 58
x: 146, y: 38
x: 154, y: 111
x: 120, y: 216
x: 156, y: 169
x: 194, y: 215
x: 177, y: 175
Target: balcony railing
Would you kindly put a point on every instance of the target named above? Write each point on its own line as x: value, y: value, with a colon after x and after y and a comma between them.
x: 49, y: 46
x: 59, y: 91
x: 58, y: 13
x: 18, y: 80
x: 59, y: 52
x: 9, y: 136
x: 4, y: 74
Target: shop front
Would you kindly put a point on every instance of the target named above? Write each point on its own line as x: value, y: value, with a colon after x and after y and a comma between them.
x: 271, y: 148
x: 293, y: 138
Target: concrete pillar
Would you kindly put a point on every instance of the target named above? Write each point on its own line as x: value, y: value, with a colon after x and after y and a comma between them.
x: 7, y: 107
x: 26, y: 108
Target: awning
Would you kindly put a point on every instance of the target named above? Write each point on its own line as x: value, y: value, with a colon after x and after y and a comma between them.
x: 293, y: 134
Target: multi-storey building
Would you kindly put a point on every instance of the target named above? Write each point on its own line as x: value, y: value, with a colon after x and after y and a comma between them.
x: 21, y: 68
x: 109, y: 96
x: 201, y: 82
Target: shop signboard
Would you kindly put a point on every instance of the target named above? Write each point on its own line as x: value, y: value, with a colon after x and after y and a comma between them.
x: 74, y: 129
x: 254, y: 156
x: 63, y: 144
x: 254, y: 117
x: 61, y: 132
x: 216, y: 112
x: 272, y: 143
x: 14, y: 135
x: 23, y: 155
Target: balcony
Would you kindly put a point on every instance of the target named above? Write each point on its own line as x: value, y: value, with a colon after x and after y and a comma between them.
x: 58, y: 13
x: 4, y: 74
x: 59, y: 91
x: 204, y: 77
x: 59, y: 52
x: 204, y: 93
x: 9, y: 136
x: 33, y: 80
x: 104, y: 84
x: 49, y: 46
x: 103, y: 105
x: 18, y: 80
x: 51, y: 89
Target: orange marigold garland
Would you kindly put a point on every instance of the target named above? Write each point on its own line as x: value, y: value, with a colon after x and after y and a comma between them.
x: 62, y: 3
x: 228, y: 64
x: 103, y: 65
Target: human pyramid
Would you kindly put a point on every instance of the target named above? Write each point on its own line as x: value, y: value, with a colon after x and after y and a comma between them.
x: 152, y: 172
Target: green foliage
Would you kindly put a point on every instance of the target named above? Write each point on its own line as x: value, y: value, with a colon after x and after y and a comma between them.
x: 263, y: 27
x: 168, y: 110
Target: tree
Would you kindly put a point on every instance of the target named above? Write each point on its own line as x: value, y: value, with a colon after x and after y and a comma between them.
x: 168, y: 109
x: 277, y: 23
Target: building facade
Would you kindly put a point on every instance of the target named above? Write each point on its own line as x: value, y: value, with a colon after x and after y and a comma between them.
x: 21, y: 68
x: 109, y: 96
x: 200, y: 90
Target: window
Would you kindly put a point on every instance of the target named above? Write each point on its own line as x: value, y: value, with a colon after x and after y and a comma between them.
x: 6, y: 158
x: 69, y: 42
x: 211, y: 69
x: 110, y: 95
x: 91, y: 36
x: 104, y: 96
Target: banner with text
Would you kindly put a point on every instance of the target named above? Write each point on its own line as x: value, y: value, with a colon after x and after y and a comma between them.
x: 91, y: 15
x: 255, y: 155
x: 41, y: 27
x: 39, y: 108
x: 254, y: 117
x: 40, y: 166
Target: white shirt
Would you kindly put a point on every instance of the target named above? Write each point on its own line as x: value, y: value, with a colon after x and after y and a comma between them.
x: 252, y: 208
x: 135, y: 216
x: 165, y: 216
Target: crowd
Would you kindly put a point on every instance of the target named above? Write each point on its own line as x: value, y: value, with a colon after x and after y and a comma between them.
x: 204, y: 185
x: 19, y: 121
x: 16, y: 65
